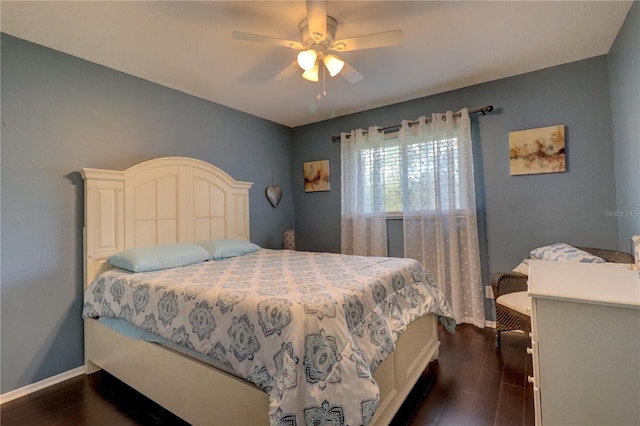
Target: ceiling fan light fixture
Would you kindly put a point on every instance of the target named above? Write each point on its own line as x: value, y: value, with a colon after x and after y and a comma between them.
x: 307, y: 59
x: 333, y: 64
x: 311, y: 74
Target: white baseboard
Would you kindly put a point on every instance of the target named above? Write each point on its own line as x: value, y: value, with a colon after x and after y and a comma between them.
x: 34, y: 387
x: 490, y: 324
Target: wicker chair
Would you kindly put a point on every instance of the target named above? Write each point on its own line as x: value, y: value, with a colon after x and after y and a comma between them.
x: 509, y: 282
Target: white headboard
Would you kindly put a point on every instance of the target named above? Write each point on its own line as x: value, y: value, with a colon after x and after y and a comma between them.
x: 165, y: 200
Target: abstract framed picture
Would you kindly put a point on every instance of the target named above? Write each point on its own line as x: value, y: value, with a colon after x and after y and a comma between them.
x: 537, y: 151
x: 317, y: 176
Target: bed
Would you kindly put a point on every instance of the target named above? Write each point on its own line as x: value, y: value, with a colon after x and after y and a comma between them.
x: 388, y: 337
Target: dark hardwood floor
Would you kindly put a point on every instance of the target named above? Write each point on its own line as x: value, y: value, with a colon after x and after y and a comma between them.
x: 472, y: 383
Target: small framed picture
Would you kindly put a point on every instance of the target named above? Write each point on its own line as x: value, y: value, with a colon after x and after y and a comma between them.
x: 317, y: 176
x: 537, y: 151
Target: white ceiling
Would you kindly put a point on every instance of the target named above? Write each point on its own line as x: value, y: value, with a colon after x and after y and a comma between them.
x: 447, y: 45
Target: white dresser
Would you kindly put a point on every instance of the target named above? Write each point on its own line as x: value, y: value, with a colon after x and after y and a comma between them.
x: 585, y: 343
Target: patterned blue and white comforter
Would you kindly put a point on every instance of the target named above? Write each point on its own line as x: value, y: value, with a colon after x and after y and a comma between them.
x: 308, y: 328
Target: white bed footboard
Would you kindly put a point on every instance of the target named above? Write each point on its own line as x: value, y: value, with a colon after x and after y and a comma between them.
x: 204, y: 395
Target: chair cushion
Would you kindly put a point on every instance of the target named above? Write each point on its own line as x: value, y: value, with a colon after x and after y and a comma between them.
x: 518, y: 301
x: 523, y: 267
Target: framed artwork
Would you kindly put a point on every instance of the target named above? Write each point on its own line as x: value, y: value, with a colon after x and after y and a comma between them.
x: 537, y: 151
x: 317, y: 176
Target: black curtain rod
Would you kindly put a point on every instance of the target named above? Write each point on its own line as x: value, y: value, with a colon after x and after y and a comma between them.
x: 482, y: 110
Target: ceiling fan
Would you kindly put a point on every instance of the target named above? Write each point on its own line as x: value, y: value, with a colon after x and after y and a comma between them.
x: 318, y: 44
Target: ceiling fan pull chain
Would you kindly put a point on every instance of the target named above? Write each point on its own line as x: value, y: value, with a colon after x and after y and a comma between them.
x: 324, y: 80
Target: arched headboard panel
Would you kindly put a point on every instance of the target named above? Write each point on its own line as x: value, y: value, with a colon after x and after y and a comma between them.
x: 160, y: 201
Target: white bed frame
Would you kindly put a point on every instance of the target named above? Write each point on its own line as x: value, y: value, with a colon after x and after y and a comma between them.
x: 177, y: 199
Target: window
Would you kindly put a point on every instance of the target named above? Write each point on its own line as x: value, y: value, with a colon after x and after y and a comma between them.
x: 429, y: 170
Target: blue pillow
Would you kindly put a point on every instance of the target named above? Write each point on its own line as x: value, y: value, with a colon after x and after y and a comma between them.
x: 221, y: 249
x: 146, y: 259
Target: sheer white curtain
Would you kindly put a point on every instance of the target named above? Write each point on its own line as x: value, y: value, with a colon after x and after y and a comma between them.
x: 439, y: 208
x: 424, y: 174
x: 363, y: 216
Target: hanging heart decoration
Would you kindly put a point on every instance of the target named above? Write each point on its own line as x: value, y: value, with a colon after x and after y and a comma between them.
x: 274, y: 193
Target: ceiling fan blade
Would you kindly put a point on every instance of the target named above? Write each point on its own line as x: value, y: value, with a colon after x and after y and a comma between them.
x: 317, y: 18
x: 350, y: 74
x: 291, y: 69
x: 238, y: 35
x: 387, y: 38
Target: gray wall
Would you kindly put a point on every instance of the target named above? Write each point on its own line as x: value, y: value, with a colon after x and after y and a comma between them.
x: 624, y: 83
x: 517, y: 213
x: 62, y: 114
